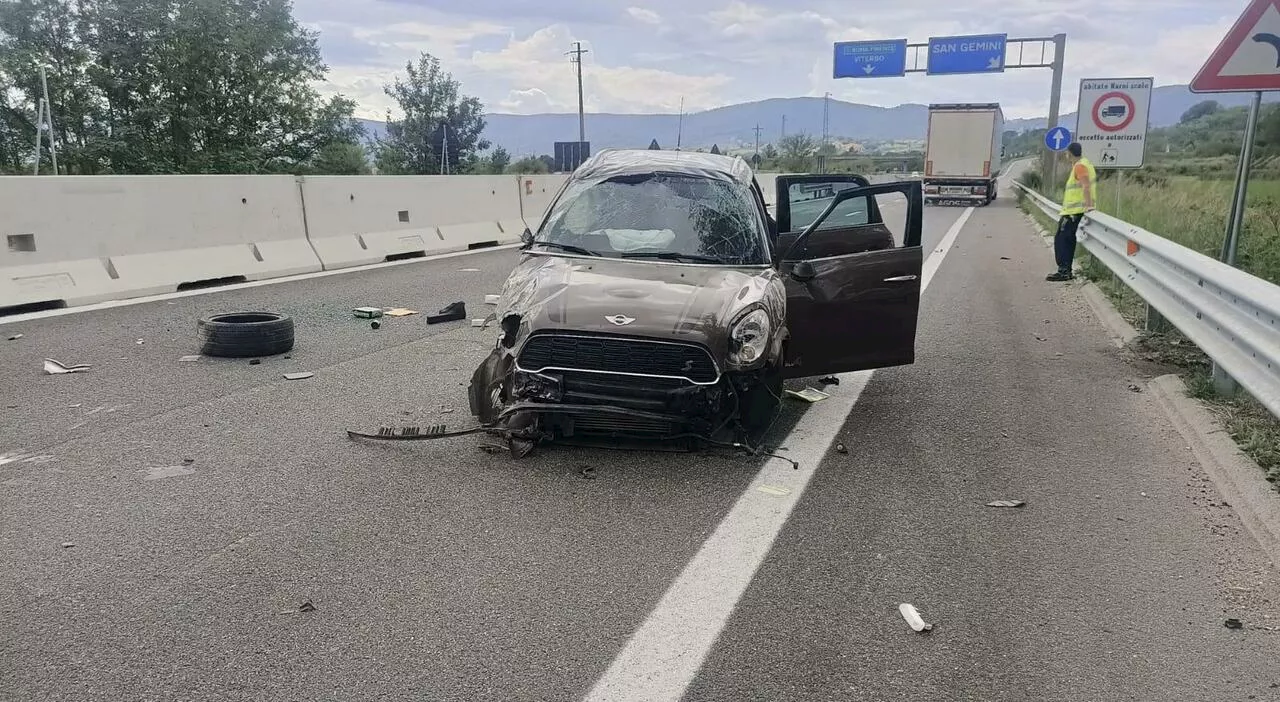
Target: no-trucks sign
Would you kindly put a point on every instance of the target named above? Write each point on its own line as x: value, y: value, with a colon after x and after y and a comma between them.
x: 1111, y: 123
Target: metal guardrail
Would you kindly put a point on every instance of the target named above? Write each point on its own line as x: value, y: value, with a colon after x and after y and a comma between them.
x: 1232, y: 316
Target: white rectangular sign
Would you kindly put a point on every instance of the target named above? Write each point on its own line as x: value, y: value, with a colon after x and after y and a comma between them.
x: 1112, y: 119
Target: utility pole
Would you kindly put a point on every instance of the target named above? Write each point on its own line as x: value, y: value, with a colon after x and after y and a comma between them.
x: 826, y: 118
x: 48, y: 113
x: 826, y: 121
x: 784, y: 127
x: 576, y: 54
x: 1049, y: 172
x: 680, y: 126
x: 444, y: 152
x: 757, y: 130
x: 44, y: 120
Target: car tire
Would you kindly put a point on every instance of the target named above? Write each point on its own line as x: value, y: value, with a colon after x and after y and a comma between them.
x: 245, y: 334
x: 759, y: 408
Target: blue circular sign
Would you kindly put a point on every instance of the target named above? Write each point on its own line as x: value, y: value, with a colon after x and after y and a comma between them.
x: 1057, y: 138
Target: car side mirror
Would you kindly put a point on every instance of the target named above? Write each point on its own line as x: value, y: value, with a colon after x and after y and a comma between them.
x: 526, y: 236
x: 803, y: 271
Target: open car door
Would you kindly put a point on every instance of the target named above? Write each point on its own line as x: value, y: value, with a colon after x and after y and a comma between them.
x: 853, y: 293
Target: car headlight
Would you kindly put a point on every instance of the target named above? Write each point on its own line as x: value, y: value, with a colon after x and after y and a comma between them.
x: 749, y: 337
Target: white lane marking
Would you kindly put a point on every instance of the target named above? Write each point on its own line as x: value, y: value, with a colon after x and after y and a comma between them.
x: 664, y: 655
x: 242, y: 286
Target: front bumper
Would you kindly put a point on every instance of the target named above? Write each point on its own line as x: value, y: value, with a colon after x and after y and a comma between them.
x: 573, y: 403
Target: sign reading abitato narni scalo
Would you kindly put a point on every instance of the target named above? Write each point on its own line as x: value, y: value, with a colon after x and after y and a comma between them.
x: 1112, y: 120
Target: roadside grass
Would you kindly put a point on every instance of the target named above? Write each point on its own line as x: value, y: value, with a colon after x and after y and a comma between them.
x: 1193, y: 213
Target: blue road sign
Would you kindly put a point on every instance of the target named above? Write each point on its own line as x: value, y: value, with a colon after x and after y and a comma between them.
x: 979, y: 53
x: 1057, y: 138
x: 870, y: 59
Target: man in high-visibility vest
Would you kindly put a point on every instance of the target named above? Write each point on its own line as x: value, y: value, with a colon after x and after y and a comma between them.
x: 1079, y: 197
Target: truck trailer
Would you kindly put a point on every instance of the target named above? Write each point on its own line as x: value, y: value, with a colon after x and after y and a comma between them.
x: 963, y: 153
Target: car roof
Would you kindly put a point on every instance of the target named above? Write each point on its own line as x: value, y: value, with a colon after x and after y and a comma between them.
x: 612, y: 163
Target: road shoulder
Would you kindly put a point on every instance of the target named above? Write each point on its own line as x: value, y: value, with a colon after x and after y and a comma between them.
x: 1238, y: 479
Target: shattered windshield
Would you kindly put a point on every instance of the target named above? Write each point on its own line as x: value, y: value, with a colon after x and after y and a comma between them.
x: 661, y: 216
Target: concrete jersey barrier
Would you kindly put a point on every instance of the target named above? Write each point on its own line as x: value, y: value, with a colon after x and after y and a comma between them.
x: 77, y: 240
x: 357, y: 220
x: 84, y: 239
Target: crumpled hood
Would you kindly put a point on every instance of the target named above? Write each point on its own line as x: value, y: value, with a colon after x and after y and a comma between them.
x: 668, y: 302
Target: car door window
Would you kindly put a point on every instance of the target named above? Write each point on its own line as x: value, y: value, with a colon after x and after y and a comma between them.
x: 855, y: 224
x: 808, y: 201
x: 893, y: 216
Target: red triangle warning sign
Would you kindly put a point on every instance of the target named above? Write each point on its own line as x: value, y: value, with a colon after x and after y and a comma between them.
x: 1248, y: 58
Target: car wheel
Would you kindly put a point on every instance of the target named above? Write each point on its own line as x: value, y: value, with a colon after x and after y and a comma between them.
x: 245, y: 334
x: 759, y: 408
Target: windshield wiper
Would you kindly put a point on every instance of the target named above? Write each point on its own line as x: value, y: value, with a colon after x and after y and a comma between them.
x: 673, y: 256
x: 568, y: 248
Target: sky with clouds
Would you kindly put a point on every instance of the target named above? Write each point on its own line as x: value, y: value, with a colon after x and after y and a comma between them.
x: 646, y: 55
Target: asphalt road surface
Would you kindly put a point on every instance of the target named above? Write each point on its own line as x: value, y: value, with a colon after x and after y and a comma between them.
x: 162, y: 523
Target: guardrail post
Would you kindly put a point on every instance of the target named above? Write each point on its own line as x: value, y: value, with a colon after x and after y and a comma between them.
x: 1156, y: 323
x: 1224, y: 384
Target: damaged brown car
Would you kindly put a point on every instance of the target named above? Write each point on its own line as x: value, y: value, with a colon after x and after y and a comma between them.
x: 659, y: 300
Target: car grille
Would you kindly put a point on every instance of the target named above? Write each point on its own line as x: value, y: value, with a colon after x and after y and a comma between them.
x: 612, y: 354
x: 618, y: 426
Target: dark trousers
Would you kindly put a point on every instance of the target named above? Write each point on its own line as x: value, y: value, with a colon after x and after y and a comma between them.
x: 1064, y: 242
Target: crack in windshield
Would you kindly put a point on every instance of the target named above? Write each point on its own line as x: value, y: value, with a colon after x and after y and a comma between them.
x: 661, y: 216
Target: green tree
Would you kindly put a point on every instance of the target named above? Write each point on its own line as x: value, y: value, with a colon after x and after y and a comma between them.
x: 239, y: 89
x: 769, y: 151
x: 528, y: 165
x: 341, y: 158
x: 171, y: 86
x: 436, y: 117
x: 49, y: 33
x: 16, y: 131
x: 1203, y: 108
x: 798, y: 151
x: 500, y: 158
x: 496, y: 162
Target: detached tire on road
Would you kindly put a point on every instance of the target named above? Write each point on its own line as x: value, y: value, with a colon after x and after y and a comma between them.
x: 245, y: 334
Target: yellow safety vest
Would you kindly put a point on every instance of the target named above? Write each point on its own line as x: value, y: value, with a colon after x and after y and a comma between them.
x: 1073, y: 197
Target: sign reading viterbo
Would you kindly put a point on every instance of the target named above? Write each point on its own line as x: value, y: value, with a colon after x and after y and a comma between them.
x: 1112, y: 120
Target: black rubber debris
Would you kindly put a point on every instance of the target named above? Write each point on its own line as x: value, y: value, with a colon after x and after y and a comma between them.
x: 449, y: 313
x: 245, y: 334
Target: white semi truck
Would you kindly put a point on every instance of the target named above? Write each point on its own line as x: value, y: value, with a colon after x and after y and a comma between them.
x: 963, y: 153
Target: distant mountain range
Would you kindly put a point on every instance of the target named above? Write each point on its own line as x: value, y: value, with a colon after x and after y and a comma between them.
x: 733, y: 125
